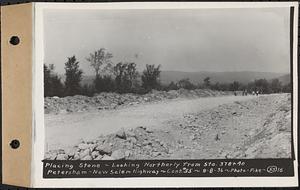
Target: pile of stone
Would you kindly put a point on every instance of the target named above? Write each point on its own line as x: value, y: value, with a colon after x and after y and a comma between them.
x: 105, y: 100
x: 138, y: 143
x: 273, y: 138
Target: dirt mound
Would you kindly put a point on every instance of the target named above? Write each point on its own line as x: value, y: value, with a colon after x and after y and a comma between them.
x: 106, y: 100
x: 256, y: 128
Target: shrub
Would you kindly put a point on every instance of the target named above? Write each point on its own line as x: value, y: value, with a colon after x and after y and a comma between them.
x: 52, y: 83
x: 150, y: 77
x: 104, y: 84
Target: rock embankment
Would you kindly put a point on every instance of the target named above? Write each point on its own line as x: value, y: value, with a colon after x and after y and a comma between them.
x: 138, y: 143
x: 273, y: 138
x: 255, y: 128
x: 106, y: 100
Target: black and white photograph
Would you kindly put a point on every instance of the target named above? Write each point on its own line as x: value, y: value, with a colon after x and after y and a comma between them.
x: 167, y: 84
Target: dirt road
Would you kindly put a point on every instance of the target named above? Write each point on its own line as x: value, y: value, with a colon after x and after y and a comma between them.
x: 204, y: 128
x: 64, y: 130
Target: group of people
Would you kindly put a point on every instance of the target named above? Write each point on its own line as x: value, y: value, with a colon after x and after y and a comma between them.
x: 255, y: 93
x: 245, y: 93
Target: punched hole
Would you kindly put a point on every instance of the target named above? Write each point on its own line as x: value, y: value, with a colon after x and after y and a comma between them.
x: 14, y: 40
x: 15, y: 144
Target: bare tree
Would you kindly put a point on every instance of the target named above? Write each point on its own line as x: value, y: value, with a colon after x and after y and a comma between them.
x: 100, y: 60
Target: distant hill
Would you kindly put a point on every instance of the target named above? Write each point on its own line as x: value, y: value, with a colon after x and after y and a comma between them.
x: 285, y: 79
x: 221, y: 77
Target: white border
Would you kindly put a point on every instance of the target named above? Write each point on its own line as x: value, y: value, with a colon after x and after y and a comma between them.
x: 38, y: 115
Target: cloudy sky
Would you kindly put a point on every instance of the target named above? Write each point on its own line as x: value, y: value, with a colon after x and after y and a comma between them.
x: 184, y: 40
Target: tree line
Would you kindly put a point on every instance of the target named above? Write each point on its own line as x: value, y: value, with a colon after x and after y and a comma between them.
x: 262, y: 85
x: 124, y: 78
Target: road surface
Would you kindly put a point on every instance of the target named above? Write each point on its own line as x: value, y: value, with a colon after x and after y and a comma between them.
x: 64, y: 130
